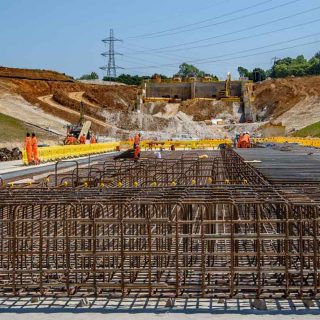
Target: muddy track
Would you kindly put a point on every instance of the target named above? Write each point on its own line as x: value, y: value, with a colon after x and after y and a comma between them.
x: 78, y: 96
x: 48, y: 100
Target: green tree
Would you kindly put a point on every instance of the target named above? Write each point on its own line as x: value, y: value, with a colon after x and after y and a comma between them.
x: 258, y: 74
x: 314, y: 65
x: 280, y: 70
x: 317, y: 55
x: 128, y: 79
x: 285, y: 67
x: 91, y: 76
x: 243, y: 72
x: 186, y: 70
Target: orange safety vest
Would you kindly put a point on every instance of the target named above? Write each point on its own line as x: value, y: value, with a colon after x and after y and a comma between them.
x: 246, y: 138
x: 136, y: 152
x: 34, y: 143
x: 28, y: 147
x: 82, y: 139
x: 239, y: 141
x: 27, y: 143
x: 137, y: 139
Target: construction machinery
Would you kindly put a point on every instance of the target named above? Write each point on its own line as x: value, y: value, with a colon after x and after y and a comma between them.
x: 81, y: 128
x: 225, y: 94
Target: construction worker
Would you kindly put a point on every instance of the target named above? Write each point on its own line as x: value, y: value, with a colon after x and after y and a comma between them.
x: 68, y: 139
x: 34, y: 144
x: 28, y: 147
x: 240, y: 140
x: 82, y: 139
x: 136, y: 153
x: 246, y: 139
x: 236, y: 139
x: 71, y: 140
x: 93, y: 139
x: 136, y: 141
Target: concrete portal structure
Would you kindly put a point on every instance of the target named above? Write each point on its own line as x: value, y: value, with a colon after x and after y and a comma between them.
x: 191, y: 90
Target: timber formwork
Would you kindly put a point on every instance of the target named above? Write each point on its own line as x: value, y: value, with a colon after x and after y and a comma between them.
x: 185, y: 225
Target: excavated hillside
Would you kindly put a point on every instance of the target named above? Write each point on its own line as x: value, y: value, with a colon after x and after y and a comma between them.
x: 47, y: 101
x: 50, y: 100
x: 293, y: 102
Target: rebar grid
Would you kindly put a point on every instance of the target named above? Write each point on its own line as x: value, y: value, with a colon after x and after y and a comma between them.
x: 240, y: 238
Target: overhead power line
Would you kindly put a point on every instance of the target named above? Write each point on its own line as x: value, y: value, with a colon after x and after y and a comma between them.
x: 205, y: 60
x: 228, y: 20
x: 199, y: 22
x: 264, y: 52
x: 241, y: 38
x: 163, y: 49
x: 260, y: 53
x: 157, y: 21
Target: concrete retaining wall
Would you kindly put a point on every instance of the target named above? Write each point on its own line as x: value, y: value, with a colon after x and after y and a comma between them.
x: 189, y: 90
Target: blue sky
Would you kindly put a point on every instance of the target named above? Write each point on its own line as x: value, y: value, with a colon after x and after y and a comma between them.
x: 65, y: 35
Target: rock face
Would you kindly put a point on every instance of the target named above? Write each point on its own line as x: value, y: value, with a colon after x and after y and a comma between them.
x: 294, y: 102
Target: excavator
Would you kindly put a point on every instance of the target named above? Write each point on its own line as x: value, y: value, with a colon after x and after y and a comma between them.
x: 77, y: 130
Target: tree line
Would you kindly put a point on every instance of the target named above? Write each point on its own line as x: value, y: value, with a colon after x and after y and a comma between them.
x: 286, y: 67
x: 281, y: 68
x: 185, y: 70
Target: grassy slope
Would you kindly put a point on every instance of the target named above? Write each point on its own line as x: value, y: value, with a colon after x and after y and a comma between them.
x: 11, y: 129
x: 312, y: 130
x: 14, y: 130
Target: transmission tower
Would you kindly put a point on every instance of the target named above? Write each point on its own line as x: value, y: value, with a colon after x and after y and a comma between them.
x: 274, y: 60
x: 111, y: 67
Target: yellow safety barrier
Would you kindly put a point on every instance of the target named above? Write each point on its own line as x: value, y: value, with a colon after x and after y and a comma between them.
x: 308, y: 142
x: 71, y: 151
x: 186, y: 144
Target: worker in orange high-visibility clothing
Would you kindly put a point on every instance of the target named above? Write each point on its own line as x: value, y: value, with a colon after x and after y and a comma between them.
x: 240, y: 140
x: 136, y: 155
x: 28, y: 147
x: 246, y: 139
x: 93, y: 139
x: 68, y: 140
x: 83, y: 139
x: 136, y: 141
x: 34, y: 143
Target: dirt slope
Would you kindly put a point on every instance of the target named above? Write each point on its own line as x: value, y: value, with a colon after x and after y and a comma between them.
x: 295, y: 102
x: 34, y: 74
x: 33, y: 90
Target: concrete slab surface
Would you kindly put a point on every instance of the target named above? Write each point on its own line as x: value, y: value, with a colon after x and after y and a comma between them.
x: 14, y: 169
x: 287, y: 163
x: 16, y: 308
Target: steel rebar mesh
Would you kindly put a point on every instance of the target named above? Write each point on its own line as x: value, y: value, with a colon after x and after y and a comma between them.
x: 233, y: 235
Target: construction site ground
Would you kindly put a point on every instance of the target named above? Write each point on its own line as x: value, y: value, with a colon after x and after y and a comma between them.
x: 153, y: 308
x: 16, y: 172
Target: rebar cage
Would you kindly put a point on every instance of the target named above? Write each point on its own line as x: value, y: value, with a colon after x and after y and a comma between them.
x: 220, y: 231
